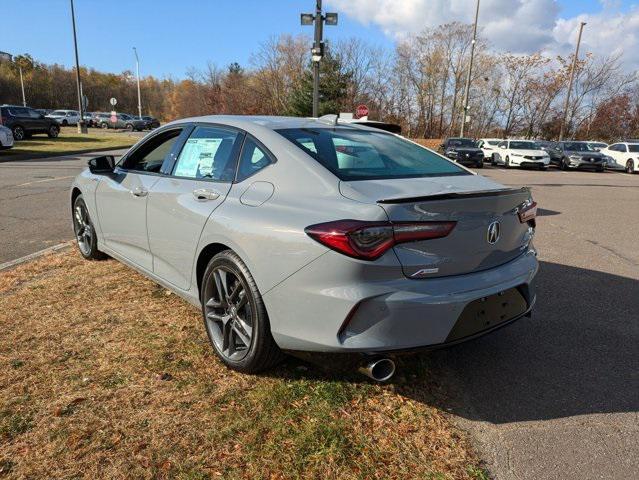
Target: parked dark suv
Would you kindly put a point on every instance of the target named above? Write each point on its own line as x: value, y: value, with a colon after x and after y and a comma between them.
x: 463, y: 150
x: 25, y: 121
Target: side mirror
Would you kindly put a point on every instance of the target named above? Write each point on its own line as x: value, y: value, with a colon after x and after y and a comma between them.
x: 102, y: 165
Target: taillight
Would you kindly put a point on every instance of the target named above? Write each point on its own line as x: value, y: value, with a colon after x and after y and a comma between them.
x: 369, y: 240
x: 528, y: 213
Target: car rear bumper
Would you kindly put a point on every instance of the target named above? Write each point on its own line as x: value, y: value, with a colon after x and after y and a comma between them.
x: 333, y: 305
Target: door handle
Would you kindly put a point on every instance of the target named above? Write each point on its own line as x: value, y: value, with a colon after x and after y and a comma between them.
x: 202, y: 194
x: 139, y: 192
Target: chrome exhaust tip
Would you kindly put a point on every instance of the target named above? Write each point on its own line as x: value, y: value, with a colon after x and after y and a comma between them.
x: 379, y: 369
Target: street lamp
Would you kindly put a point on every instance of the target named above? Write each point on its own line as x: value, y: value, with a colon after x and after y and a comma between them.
x: 572, y: 76
x: 137, y: 71
x: 317, y: 52
x: 24, y: 100
x: 469, y: 73
x: 82, y: 128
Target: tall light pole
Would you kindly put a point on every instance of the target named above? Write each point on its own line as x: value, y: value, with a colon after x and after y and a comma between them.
x: 82, y: 128
x: 137, y: 71
x: 572, y: 76
x: 317, y: 52
x: 469, y: 73
x: 24, y: 100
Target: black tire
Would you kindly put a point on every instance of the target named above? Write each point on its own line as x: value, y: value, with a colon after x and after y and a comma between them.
x: 480, y: 164
x: 18, y: 133
x: 564, y: 165
x: 543, y: 168
x: 85, y: 233
x: 65, y: 123
x: 507, y: 162
x: 629, y: 167
x: 104, y: 125
x: 262, y: 352
x: 53, y: 131
x: 129, y: 127
x: 493, y: 160
x: 601, y: 169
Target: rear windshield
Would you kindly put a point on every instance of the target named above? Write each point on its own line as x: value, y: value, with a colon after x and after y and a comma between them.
x: 365, y: 155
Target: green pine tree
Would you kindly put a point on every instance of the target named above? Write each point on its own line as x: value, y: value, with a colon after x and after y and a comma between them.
x: 334, y: 82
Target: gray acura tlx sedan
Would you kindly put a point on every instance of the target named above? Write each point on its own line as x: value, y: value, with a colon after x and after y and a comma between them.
x: 303, y: 234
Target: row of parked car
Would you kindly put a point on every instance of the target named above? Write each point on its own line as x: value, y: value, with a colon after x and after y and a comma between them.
x: 18, y: 123
x: 540, y: 154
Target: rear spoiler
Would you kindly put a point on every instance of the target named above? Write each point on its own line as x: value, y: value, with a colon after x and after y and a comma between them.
x: 454, y: 195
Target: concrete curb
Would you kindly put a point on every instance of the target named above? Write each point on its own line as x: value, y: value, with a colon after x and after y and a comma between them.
x: 33, y: 256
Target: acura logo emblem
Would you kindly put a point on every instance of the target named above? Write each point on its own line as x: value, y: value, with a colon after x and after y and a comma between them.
x: 493, y: 233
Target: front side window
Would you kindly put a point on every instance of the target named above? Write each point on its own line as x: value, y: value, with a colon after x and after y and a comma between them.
x: 253, y: 159
x: 208, y: 154
x: 59, y: 113
x: 353, y: 154
x: 150, y: 156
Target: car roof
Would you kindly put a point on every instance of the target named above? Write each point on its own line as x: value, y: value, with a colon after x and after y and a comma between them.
x: 270, y: 122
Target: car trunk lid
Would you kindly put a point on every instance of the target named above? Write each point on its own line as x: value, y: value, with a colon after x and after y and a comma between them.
x: 473, y: 202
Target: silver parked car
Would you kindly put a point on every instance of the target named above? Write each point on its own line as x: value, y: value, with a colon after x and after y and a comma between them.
x: 297, y: 234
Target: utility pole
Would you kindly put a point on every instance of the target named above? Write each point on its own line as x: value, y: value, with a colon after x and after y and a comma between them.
x: 469, y: 73
x: 317, y: 51
x: 137, y: 71
x: 82, y: 128
x: 572, y: 76
x: 24, y: 100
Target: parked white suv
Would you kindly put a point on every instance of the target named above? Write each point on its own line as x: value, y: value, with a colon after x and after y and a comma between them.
x: 488, y: 146
x: 6, y: 137
x: 520, y: 153
x: 65, y: 117
x: 625, y: 156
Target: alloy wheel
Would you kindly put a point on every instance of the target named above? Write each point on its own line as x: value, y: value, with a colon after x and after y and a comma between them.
x: 82, y: 228
x: 18, y: 133
x: 629, y: 168
x: 228, y: 313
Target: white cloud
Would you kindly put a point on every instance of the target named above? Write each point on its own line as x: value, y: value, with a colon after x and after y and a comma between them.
x: 517, y: 26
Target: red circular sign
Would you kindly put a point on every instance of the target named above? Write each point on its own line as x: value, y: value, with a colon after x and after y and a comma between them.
x: 362, y: 111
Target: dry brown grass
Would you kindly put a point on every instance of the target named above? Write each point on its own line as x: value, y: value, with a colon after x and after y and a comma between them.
x: 432, y: 143
x: 104, y: 374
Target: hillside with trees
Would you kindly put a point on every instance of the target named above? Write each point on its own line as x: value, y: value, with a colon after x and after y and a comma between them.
x: 419, y: 85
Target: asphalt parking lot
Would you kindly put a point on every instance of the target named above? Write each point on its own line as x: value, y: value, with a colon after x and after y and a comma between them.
x: 34, y: 210
x: 555, y: 396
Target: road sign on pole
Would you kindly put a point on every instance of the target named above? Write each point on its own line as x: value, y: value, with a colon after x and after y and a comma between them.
x: 361, y: 111
x: 114, y: 116
x: 113, y: 101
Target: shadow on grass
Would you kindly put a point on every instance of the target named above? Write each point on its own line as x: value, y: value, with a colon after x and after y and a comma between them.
x: 576, y: 356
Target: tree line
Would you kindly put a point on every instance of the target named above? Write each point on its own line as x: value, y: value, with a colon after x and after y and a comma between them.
x: 418, y: 84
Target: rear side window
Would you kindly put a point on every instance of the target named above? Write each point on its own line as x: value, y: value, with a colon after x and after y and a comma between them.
x: 353, y: 154
x: 209, y: 153
x: 253, y: 159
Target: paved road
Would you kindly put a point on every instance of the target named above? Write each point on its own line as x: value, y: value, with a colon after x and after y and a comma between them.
x: 557, y: 397
x: 552, y: 397
x: 34, y: 210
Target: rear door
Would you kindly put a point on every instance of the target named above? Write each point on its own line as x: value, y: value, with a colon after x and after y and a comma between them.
x: 181, y: 203
x: 488, y: 232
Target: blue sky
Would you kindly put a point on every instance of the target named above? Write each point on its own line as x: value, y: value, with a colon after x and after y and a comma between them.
x: 172, y: 36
